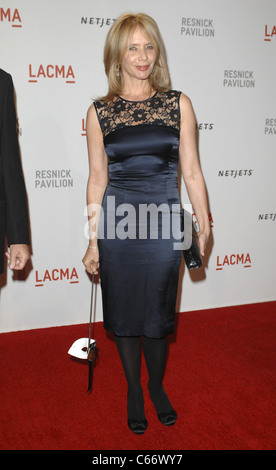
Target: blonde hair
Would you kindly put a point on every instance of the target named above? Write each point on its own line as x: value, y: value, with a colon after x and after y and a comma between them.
x: 116, y: 46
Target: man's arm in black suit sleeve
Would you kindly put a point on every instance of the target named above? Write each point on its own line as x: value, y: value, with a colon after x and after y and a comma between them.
x: 17, y: 229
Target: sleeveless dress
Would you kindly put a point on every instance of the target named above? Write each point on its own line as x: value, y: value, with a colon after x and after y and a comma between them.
x: 139, y: 265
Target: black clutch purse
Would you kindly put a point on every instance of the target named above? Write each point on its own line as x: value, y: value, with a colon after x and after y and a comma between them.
x: 192, y: 254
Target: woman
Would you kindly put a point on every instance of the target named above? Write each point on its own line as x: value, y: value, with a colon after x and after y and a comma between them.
x: 136, y: 135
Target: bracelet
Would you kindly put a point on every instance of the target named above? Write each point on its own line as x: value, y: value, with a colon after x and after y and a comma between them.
x: 93, y: 247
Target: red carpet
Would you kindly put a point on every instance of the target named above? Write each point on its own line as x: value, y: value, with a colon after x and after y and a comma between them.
x: 220, y: 378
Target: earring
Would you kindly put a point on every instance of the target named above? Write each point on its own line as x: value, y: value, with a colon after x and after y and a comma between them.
x: 117, y: 72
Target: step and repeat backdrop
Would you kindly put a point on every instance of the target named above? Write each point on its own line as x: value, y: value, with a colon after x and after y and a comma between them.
x: 222, y: 55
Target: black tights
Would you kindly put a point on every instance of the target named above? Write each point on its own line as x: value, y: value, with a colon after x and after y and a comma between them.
x: 155, y: 355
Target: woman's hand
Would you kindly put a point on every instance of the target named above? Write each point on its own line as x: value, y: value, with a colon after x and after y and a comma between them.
x: 202, y: 241
x: 91, y: 260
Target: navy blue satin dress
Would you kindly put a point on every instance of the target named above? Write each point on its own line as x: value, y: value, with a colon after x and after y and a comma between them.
x: 139, y: 265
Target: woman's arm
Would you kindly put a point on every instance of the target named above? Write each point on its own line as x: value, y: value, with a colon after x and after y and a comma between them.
x: 191, y: 170
x: 96, y: 185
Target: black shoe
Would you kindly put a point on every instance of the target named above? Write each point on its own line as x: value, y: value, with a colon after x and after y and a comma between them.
x: 161, y: 401
x: 168, y: 418
x: 138, y: 427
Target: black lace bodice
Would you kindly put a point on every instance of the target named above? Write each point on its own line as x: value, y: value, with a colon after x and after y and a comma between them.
x: 161, y: 109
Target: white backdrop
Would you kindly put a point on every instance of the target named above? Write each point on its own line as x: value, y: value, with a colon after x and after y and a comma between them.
x: 222, y: 55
